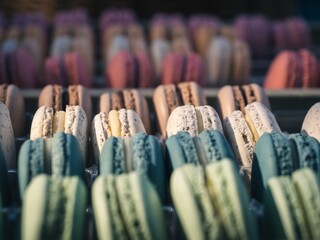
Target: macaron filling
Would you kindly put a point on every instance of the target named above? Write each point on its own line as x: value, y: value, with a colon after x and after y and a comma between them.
x: 186, y: 142
x: 172, y: 96
x: 117, y: 100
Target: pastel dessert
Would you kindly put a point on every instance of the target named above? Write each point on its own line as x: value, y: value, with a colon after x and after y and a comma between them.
x: 218, y: 58
x: 182, y: 68
x: 232, y: 98
x: 193, y: 120
x: 12, y: 97
x: 159, y: 49
x: 7, y: 142
x: 127, y: 206
x: 19, y: 68
x: 58, y: 156
x: 240, y: 62
x: 141, y: 153
x: 208, y: 147
x: 129, y: 99
x: 117, y: 123
x: 60, y: 46
x: 310, y: 125
x: 243, y: 130
x: 216, y: 200
x: 292, y: 206
x: 54, y: 208
x: 69, y: 70
x: 167, y: 97
x: 57, y: 97
x: 292, y: 70
x: 46, y: 122
x: 129, y: 70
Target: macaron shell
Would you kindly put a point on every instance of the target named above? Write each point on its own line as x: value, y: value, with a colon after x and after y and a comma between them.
x: 261, y: 119
x: 130, y: 123
x: 210, y: 119
x: 112, y: 157
x: 192, y: 94
x: 53, y: 71
x: 76, y: 123
x: 240, y: 62
x: 311, y: 122
x: 145, y: 70
x: 272, y: 157
x: 188, y: 191
x: 159, y: 49
x: 225, y: 187
x: 165, y: 99
x: 173, y: 68
x: 240, y: 138
x: 260, y: 95
x: 7, y: 142
x: 308, y: 190
x: 310, y: 71
x: 15, y: 104
x: 41, y: 125
x: 226, y: 101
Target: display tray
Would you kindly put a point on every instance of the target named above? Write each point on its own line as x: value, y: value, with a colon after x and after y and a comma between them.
x: 288, y: 106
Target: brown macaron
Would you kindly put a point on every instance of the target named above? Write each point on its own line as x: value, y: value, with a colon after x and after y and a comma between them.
x: 232, y: 98
x: 129, y: 99
x: 167, y: 97
x: 56, y: 97
x: 12, y: 97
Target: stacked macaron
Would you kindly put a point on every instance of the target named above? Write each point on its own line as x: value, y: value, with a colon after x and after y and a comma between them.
x: 125, y: 51
x: 72, y: 50
x: 291, y: 69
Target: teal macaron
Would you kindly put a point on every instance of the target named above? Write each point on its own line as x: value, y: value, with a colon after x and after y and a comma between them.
x: 54, y: 208
x: 292, y: 206
x: 59, y: 156
x: 208, y: 147
x: 141, y: 153
x: 275, y: 154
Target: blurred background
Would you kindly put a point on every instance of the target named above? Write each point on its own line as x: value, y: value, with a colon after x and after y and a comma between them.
x: 144, y: 9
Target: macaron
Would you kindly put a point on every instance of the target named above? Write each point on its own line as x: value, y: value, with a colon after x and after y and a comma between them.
x: 310, y: 125
x: 193, y: 120
x: 240, y: 62
x: 12, y: 97
x: 141, y: 153
x: 127, y: 206
x: 7, y: 142
x: 58, y: 156
x: 46, y: 122
x: 54, y: 208
x: 208, y: 147
x: 218, y: 58
x: 167, y: 97
x: 57, y: 97
x: 182, y: 68
x: 126, y: 69
x: 19, y: 68
x: 129, y: 99
x: 159, y: 49
x: 292, y: 206
x: 69, y: 70
x: 243, y: 130
x: 216, y: 201
x: 284, y: 72
x: 122, y: 123
x: 232, y: 98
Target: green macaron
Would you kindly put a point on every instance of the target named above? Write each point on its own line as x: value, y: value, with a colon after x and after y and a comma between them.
x: 59, y: 156
x: 127, y: 206
x: 275, y: 154
x: 141, y: 153
x: 208, y: 147
x: 54, y: 208
x: 4, y: 181
x: 212, y: 204
x: 292, y: 206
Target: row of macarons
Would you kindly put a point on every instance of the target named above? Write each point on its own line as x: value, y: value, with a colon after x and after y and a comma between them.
x: 210, y: 199
x: 244, y: 129
x: 127, y: 59
x: 258, y: 31
x: 211, y: 203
